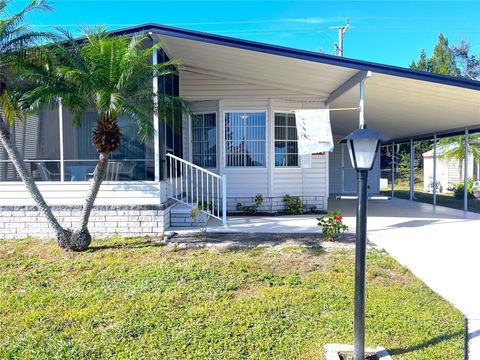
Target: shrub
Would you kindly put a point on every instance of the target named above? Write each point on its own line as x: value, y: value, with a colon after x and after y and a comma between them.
x: 458, y: 189
x: 293, y: 205
x: 251, y: 209
x: 205, y: 205
x: 195, y: 213
x: 332, y: 225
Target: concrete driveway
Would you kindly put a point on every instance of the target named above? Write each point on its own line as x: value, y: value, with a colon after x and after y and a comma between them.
x: 439, y: 245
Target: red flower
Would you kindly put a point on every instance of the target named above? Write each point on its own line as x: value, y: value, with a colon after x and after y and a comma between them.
x: 338, y: 218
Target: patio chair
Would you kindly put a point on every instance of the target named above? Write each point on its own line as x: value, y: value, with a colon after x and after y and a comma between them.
x: 44, y: 173
x: 126, y: 171
x: 113, y: 169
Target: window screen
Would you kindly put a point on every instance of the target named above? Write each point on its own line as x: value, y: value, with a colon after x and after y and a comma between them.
x: 245, y: 139
x: 204, y: 140
x: 286, y: 149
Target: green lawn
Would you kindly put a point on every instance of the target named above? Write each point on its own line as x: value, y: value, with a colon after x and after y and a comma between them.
x: 447, y: 200
x: 131, y: 299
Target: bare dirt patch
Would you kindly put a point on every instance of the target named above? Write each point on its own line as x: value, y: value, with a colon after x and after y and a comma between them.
x: 251, y: 240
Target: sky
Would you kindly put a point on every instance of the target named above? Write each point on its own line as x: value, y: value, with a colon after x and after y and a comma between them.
x: 389, y: 32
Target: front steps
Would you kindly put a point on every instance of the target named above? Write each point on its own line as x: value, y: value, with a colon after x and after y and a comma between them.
x: 180, y: 216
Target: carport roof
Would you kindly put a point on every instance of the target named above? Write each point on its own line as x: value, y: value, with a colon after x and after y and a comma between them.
x: 399, y: 102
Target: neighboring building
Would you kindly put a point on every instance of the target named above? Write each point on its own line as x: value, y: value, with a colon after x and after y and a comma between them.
x: 243, y: 136
x: 449, y: 171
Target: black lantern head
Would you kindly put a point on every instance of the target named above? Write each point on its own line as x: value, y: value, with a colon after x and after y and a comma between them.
x: 363, y: 146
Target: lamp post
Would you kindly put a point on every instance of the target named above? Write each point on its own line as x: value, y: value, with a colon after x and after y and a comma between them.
x: 363, y: 146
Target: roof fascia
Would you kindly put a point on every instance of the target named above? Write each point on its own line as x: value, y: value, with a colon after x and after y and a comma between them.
x: 302, y: 55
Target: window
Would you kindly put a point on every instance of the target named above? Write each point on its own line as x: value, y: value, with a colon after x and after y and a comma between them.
x: 133, y: 160
x: 204, y: 140
x: 245, y: 139
x: 38, y: 143
x: 286, y: 149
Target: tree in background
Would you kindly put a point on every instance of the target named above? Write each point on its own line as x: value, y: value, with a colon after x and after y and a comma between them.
x: 403, y: 165
x: 442, y: 62
x: 469, y: 64
x: 423, y: 62
x: 454, y: 61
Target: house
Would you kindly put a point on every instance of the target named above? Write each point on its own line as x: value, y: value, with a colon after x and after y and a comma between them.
x: 449, y: 171
x: 242, y: 141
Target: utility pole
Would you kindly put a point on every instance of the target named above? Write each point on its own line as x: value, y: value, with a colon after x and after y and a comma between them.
x: 341, y: 33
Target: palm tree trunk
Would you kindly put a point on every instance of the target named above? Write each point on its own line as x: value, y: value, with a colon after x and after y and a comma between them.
x: 27, y: 179
x: 80, y: 239
x: 98, y: 176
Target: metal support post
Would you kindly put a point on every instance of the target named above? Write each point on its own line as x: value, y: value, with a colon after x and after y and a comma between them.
x: 360, y: 266
x: 60, y: 128
x: 412, y: 176
x: 434, y: 169
x: 361, y: 105
x: 393, y: 170
x: 224, y: 200
x: 465, y: 174
x: 156, y: 127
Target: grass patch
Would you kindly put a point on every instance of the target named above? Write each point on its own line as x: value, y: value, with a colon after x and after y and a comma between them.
x: 129, y: 299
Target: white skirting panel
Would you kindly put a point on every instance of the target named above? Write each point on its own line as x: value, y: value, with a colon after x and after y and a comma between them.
x: 73, y: 193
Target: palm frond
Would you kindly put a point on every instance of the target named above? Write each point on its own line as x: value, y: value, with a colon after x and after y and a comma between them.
x: 11, y: 107
x: 111, y: 75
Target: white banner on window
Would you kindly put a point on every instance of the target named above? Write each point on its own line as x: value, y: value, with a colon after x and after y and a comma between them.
x: 314, y: 131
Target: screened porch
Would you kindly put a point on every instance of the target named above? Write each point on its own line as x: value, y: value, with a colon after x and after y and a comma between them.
x: 55, y: 149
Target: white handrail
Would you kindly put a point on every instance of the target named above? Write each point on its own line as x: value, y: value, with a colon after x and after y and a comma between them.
x: 197, y: 187
x: 193, y: 165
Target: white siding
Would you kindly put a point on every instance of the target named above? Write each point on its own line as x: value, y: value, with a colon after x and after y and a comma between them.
x: 210, y: 93
x: 315, y: 179
x: 253, y: 104
x: 288, y: 181
x: 73, y: 193
x: 302, y: 182
x: 246, y: 182
x: 194, y: 86
x: 449, y: 172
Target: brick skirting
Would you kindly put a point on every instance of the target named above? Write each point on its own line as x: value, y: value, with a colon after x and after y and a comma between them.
x: 17, y: 222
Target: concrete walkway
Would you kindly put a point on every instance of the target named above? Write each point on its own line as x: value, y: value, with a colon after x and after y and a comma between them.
x: 440, y: 246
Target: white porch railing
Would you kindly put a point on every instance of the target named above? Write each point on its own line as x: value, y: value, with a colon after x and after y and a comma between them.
x: 197, y: 187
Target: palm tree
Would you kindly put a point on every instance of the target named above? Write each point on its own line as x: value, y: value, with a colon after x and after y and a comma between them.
x: 16, y: 39
x: 111, y: 75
